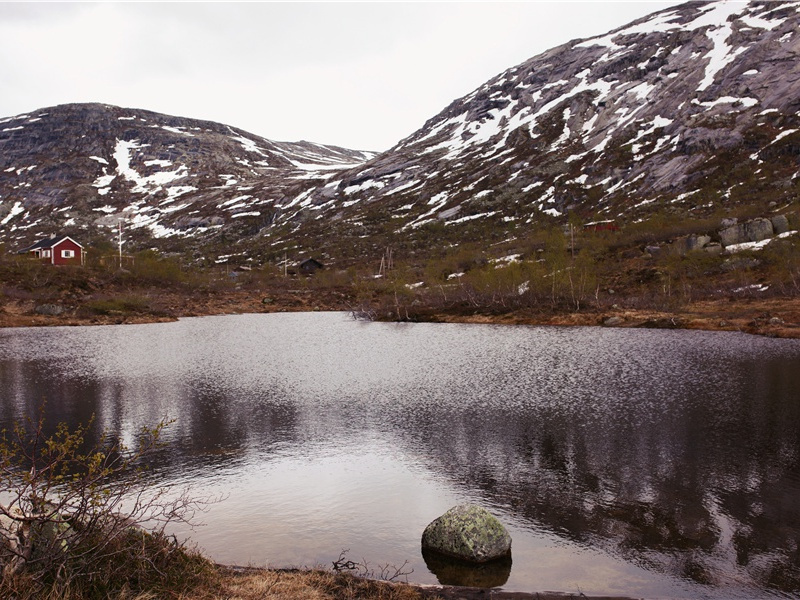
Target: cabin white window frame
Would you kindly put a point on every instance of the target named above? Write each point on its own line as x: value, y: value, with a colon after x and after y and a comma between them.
x: 68, y: 254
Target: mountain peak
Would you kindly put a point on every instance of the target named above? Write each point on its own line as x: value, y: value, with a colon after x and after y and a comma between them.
x: 693, y: 110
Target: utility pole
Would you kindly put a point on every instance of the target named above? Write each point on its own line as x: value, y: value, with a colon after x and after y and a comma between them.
x: 120, y: 243
x: 572, y: 239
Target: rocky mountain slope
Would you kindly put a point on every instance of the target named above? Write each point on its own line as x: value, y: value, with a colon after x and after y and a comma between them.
x: 690, y: 109
x: 90, y: 166
x: 691, y: 112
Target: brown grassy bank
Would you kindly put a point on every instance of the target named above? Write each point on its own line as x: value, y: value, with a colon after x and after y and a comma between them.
x: 774, y: 317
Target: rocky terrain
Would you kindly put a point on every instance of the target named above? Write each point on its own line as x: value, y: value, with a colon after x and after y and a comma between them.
x: 690, y: 112
x: 84, y: 168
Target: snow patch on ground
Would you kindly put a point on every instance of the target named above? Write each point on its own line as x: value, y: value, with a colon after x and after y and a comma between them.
x: 15, y: 210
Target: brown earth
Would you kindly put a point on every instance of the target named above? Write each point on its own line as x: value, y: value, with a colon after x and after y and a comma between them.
x: 774, y: 317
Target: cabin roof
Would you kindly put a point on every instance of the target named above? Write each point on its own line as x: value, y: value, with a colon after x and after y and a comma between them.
x: 49, y: 243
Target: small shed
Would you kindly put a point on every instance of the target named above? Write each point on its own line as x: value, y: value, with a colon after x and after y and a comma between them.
x: 59, y: 250
x: 310, y: 266
x: 601, y: 226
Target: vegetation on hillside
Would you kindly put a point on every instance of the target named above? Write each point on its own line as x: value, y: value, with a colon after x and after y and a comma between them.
x: 545, y: 270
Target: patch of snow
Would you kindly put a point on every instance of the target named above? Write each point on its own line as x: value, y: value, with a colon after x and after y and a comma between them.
x: 734, y: 248
x: 157, y: 163
x: 511, y: 258
x: 178, y: 190
x: 659, y: 23
x: 249, y: 145
x: 720, y: 29
x: 471, y: 218
x: 369, y: 184
x: 747, y: 102
x: 253, y: 213
x: 122, y: 154
x: 15, y: 210
x: 758, y: 287
x: 173, y: 129
x: 641, y: 91
x: 759, y: 22
x: 102, y: 161
x: 564, y: 137
x: 405, y: 186
x: 237, y: 201
x: 528, y: 188
x: 784, y: 134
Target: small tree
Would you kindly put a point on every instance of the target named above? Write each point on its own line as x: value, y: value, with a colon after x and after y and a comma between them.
x: 79, y: 515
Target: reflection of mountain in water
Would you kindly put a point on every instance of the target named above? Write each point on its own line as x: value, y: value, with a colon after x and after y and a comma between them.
x: 711, y: 491
x: 677, y: 451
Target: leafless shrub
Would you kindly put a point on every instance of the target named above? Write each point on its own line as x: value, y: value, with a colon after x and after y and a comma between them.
x: 75, y: 515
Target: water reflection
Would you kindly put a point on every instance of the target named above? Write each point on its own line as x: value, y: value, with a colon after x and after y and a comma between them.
x: 453, y: 572
x: 665, y: 461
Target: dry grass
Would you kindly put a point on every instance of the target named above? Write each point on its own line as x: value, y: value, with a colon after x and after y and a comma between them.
x: 257, y: 584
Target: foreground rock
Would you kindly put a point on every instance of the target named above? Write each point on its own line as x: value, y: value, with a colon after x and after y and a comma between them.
x: 468, y: 532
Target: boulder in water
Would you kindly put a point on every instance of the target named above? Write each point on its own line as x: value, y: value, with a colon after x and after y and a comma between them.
x: 468, y: 532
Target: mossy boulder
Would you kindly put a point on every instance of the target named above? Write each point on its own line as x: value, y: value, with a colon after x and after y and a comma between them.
x: 468, y: 532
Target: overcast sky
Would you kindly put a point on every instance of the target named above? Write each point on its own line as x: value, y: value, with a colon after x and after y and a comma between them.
x: 359, y: 75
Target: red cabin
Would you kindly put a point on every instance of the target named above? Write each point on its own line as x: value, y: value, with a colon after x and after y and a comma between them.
x: 61, y: 250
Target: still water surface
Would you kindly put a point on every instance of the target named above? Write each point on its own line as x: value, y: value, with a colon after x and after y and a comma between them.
x: 659, y: 464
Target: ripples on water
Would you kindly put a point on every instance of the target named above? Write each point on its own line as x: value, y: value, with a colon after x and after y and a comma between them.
x: 646, y: 463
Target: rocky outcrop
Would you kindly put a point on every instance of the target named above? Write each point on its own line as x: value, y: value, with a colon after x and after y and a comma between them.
x: 468, y: 532
x: 732, y: 233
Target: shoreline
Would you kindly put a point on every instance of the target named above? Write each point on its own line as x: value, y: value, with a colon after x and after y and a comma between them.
x: 771, y: 317
x: 423, y: 591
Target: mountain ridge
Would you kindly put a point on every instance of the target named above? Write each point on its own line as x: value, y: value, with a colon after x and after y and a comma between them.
x: 689, y: 112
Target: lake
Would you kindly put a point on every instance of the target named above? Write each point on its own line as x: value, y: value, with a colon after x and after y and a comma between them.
x: 648, y: 463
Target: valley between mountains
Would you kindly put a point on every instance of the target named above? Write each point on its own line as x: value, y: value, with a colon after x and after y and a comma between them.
x: 646, y: 177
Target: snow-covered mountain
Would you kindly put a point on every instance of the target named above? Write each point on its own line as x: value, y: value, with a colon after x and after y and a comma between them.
x: 694, y: 110
x: 696, y: 106
x: 92, y: 166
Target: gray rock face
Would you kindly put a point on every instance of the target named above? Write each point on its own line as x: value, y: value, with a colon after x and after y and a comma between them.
x: 468, y: 532
x: 613, y: 321
x: 758, y: 229
x: 691, y: 243
x: 48, y: 309
x: 735, y: 234
x: 780, y: 224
